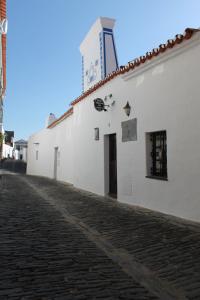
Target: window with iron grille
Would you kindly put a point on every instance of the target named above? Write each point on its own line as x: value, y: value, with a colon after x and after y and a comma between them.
x: 156, y: 144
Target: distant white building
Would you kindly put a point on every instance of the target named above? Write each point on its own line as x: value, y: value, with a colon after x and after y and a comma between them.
x: 7, y: 151
x: 134, y: 132
x: 20, y: 150
x: 8, y: 144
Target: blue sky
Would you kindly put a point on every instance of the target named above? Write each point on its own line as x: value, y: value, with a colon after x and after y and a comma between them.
x: 43, y: 59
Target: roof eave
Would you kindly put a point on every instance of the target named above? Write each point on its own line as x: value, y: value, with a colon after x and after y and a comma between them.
x: 179, y: 38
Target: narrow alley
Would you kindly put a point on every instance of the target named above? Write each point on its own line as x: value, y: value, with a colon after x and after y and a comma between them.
x: 57, y: 242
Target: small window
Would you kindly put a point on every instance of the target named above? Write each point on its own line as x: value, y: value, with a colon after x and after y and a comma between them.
x: 96, y: 62
x: 36, y: 154
x: 156, y: 150
x: 96, y: 134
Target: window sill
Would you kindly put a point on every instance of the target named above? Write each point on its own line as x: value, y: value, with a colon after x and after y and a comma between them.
x: 157, y: 177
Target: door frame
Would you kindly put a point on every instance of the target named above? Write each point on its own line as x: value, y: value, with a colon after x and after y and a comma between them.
x: 55, y: 163
x: 107, y: 164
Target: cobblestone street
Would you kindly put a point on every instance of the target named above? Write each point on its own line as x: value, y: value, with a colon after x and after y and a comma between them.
x: 57, y: 242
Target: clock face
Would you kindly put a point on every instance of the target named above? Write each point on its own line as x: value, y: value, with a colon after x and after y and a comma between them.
x: 91, y: 73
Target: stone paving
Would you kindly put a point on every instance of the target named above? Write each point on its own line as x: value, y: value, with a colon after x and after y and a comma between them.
x: 57, y: 242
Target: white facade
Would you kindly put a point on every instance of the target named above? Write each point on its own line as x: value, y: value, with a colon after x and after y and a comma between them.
x: 7, y: 151
x: 164, y: 95
x: 1, y: 101
x: 1, y: 89
x: 7, y: 148
x: 20, y: 150
x: 3, y: 31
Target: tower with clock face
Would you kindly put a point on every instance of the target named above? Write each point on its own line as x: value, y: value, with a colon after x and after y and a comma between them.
x: 99, y: 57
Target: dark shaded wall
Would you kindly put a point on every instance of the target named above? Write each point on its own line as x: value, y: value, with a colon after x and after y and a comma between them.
x: 17, y: 166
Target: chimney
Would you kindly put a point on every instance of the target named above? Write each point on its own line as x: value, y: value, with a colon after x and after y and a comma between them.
x: 50, y: 119
x: 98, y: 52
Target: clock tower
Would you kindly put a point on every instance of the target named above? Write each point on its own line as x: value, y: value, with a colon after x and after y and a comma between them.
x: 99, y: 57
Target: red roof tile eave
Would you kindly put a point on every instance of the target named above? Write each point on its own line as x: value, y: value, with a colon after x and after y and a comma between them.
x: 68, y: 113
x: 179, y: 38
x: 4, y: 62
x: 3, y: 9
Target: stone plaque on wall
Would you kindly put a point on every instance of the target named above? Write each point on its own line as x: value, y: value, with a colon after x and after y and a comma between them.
x: 129, y: 130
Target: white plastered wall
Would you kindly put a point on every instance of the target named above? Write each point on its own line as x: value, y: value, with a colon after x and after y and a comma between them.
x: 45, y: 143
x: 7, y: 151
x: 40, y: 154
x: 166, y: 96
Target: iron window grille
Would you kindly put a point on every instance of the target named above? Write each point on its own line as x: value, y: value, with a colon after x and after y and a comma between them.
x: 158, y: 154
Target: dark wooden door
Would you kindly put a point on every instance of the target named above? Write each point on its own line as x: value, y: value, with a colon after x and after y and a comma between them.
x: 112, y: 165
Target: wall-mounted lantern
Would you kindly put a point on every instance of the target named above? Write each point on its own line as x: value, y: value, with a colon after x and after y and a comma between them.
x: 127, y: 109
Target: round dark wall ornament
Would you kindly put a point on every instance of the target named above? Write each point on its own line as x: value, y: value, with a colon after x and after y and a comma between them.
x: 99, y: 104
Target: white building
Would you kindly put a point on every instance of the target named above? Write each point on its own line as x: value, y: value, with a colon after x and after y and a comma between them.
x: 148, y: 158
x: 20, y: 150
x: 8, y: 144
x: 3, y: 38
x: 7, y: 151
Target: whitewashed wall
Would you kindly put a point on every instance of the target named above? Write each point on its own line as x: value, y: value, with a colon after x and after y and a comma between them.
x: 167, y: 98
x: 164, y: 96
x: 45, y: 142
x: 7, y: 151
x: 41, y: 163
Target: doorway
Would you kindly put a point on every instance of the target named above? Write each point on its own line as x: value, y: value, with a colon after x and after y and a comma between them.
x: 111, y: 165
x: 55, y: 162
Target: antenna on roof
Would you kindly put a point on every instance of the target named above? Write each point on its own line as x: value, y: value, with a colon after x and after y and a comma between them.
x: 3, y: 26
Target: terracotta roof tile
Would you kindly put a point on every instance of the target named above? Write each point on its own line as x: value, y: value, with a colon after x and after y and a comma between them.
x: 179, y: 38
x: 64, y: 116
